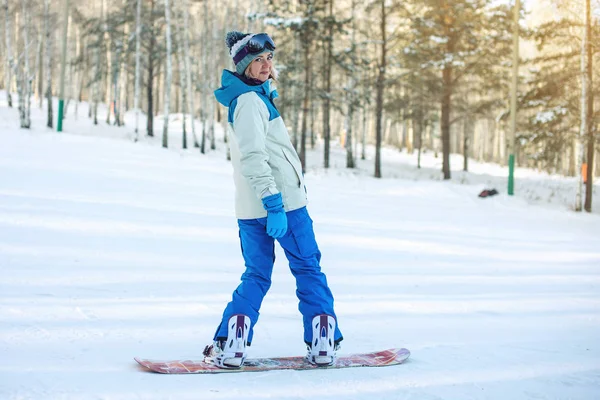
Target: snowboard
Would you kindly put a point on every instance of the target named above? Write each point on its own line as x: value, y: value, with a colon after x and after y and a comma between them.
x: 375, y: 359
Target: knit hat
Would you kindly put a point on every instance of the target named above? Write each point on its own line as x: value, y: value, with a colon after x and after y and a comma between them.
x: 243, y: 47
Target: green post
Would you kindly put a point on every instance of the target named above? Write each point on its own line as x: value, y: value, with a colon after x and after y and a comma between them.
x: 61, y: 105
x: 63, y: 66
x: 511, y: 174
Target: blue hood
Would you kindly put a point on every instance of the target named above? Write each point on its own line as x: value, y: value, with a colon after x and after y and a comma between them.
x: 232, y: 87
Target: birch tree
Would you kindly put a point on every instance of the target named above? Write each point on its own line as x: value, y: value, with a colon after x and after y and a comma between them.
x: 327, y: 90
x: 123, y: 76
x: 138, y: 54
x: 25, y: 78
x: 49, y: 39
x: 168, y: 75
x: 39, y: 67
x: 81, y: 69
x: 9, y: 55
x: 182, y: 80
x: 109, y: 61
x: 188, y: 68
x: 212, y: 76
x: 381, y: 68
x: 205, y: 55
x: 350, y: 91
x: 150, y: 78
x: 96, y: 82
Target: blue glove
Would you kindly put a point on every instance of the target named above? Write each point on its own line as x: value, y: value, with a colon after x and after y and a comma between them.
x: 276, y: 218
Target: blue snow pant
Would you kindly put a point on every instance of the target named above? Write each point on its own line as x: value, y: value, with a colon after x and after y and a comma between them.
x: 303, y: 254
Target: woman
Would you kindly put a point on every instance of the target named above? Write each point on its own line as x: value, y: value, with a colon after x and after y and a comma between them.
x: 270, y: 205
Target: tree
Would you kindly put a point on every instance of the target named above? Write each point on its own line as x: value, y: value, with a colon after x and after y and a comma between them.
x: 168, y: 75
x: 587, y: 105
x: 48, y: 62
x: 351, y: 90
x: 458, y: 39
x: 182, y: 82
x: 553, y: 101
x: 188, y: 67
x: 138, y: 54
x: 380, y: 86
x: 9, y: 56
x: 328, y: 46
x: 205, y: 55
x: 24, y: 77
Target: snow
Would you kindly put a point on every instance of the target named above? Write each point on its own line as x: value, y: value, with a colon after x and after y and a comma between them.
x: 111, y: 249
x: 543, y: 117
x: 284, y: 22
x: 439, y: 39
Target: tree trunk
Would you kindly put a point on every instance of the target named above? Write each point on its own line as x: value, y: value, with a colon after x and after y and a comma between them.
x: 48, y: 64
x: 39, y: 66
x: 589, y: 187
x: 150, y: 84
x: 584, y: 116
x: 168, y: 76
x: 204, y: 60
x: 466, y: 140
x: 445, y: 119
x: 119, y: 54
x: 188, y: 68
x: 365, y: 109
x: 107, y: 41
x: 294, y: 89
x: 9, y: 56
x: 380, y: 88
x: 313, y: 114
x: 182, y: 74
x: 96, y: 85
x: 446, y: 107
x: 138, y: 53
x: 123, y: 75
x: 418, y: 126
x: 305, y: 101
x: 351, y: 96
x: 212, y: 78
x: 83, y: 69
x: 327, y: 99
x: 25, y: 84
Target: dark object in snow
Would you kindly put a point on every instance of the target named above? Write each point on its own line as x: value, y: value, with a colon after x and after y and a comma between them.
x: 488, y: 193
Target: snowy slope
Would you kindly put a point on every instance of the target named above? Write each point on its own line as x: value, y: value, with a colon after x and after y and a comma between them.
x: 110, y: 250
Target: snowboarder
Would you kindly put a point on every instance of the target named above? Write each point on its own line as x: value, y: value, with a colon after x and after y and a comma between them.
x: 270, y: 204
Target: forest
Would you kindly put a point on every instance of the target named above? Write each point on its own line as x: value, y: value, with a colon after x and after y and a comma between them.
x: 419, y: 76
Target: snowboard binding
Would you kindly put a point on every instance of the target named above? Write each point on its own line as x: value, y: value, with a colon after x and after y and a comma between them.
x: 322, y: 350
x: 230, y: 353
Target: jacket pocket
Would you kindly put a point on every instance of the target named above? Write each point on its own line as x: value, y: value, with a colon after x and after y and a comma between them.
x: 298, y: 172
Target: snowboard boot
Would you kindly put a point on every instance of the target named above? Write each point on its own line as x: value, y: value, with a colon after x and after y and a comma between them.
x: 230, y: 353
x: 322, y: 350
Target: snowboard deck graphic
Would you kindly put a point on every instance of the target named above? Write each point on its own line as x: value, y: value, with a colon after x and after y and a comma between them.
x: 375, y: 359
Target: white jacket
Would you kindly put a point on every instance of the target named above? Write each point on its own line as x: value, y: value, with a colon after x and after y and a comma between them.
x: 263, y: 158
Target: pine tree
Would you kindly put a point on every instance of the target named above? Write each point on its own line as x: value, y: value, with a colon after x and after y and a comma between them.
x: 452, y: 41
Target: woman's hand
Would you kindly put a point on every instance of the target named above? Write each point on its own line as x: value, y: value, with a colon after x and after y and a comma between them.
x: 276, y: 218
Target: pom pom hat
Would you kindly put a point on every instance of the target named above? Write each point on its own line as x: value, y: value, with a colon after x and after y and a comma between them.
x: 243, y: 47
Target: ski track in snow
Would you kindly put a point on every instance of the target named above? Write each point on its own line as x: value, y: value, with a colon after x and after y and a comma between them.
x: 110, y: 250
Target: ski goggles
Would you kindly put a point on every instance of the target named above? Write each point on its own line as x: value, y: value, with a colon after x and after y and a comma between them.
x: 257, y: 44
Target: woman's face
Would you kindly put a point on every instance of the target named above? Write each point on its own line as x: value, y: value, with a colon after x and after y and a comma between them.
x: 260, y: 67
